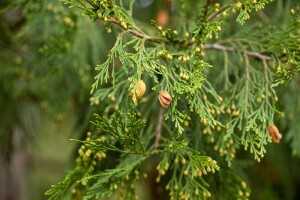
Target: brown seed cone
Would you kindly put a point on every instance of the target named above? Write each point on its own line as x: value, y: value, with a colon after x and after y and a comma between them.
x: 274, y: 132
x: 164, y: 98
x: 142, y: 89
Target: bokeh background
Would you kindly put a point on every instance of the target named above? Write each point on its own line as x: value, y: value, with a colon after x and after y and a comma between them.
x: 47, y: 57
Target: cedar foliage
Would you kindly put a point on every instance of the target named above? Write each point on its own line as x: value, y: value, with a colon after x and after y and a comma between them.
x: 230, y: 69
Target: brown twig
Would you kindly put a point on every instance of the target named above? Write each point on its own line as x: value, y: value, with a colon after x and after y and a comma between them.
x: 161, y: 40
x: 231, y: 49
x: 246, y: 57
x: 158, y: 128
x: 135, y: 32
x: 265, y: 69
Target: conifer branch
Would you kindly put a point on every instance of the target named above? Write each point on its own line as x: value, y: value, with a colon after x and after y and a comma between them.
x: 246, y: 65
x: 231, y: 49
x: 126, y: 141
x: 215, y: 14
x: 207, y: 46
x: 135, y: 32
x: 265, y: 69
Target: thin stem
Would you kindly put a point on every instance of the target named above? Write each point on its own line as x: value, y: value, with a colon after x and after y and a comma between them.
x: 226, y: 69
x: 231, y: 49
x: 245, y: 103
x: 246, y: 66
x: 158, y: 128
x: 258, y: 55
x: 135, y: 32
x: 215, y: 14
x: 265, y: 69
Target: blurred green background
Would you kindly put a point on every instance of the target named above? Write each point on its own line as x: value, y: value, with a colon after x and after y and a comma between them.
x: 47, y: 56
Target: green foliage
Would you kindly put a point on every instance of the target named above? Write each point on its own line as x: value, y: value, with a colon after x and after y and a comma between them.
x: 247, y: 6
x: 36, y: 56
x: 186, y: 180
x: 240, y: 117
x: 233, y: 185
x: 59, y: 191
x: 222, y: 79
x: 126, y: 132
x: 291, y: 117
x: 123, y: 136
